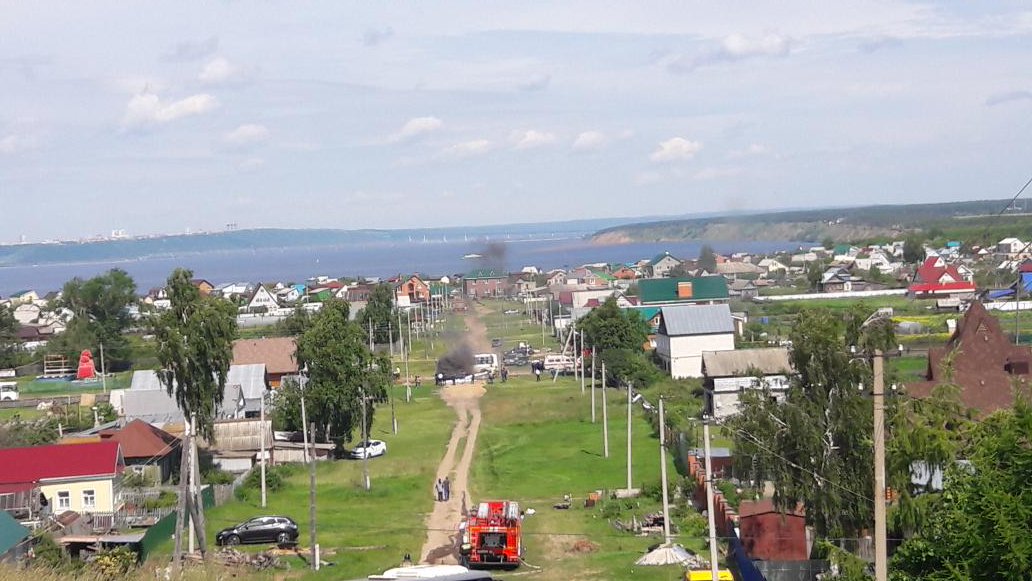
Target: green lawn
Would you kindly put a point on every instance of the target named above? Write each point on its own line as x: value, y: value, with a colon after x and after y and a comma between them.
x: 367, y: 531
x: 536, y: 444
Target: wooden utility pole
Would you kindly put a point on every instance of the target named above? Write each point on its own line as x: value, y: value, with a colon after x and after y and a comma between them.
x: 365, y: 443
x: 663, y: 473
x: 103, y: 371
x: 184, y: 479
x: 580, y: 355
x: 592, y: 384
x: 197, y: 502
x: 630, y: 467
x: 304, y: 416
x: 311, y: 502
x: 709, y: 499
x: 605, y: 415
x: 262, y: 428
x: 880, y: 548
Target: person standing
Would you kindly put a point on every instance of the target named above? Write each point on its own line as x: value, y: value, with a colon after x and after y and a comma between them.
x: 447, y: 489
x: 439, y: 490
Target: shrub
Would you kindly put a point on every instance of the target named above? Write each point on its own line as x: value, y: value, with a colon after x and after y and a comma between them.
x: 114, y: 564
x: 216, y: 476
x: 164, y: 499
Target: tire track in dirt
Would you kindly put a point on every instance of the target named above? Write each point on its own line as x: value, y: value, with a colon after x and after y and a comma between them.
x: 441, y: 545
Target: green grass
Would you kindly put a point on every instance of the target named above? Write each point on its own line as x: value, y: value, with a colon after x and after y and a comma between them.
x: 368, y: 531
x: 536, y: 444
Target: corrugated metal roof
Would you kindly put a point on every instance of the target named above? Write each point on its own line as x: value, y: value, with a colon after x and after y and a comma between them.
x: 770, y: 361
x: 250, y: 378
x: 11, y: 533
x: 145, y: 380
x: 696, y: 320
x: 664, y: 290
x: 153, y: 406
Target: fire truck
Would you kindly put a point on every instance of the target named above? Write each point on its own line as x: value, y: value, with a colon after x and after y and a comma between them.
x: 491, y: 536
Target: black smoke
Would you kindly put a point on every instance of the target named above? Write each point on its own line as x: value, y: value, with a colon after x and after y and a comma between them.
x: 456, y: 363
x: 493, y: 256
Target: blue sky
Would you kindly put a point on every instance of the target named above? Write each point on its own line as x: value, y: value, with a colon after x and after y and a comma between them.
x: 170, y: 116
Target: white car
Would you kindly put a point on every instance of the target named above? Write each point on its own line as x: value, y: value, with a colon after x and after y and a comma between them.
x: 369, y: 449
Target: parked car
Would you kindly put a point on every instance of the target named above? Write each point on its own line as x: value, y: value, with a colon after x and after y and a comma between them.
x: 369, y: 449
x: 496, y: 342
x: 515, y: 360
x: 262, y: 529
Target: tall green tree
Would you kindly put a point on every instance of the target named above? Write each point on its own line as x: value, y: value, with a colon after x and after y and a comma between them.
x: 815, y: 446
x: 379, y: 313
x: 100, y: 307
x: 980, y: 527
x: 618, y: 337
x: 8, y: 338
x: 340, y: 372
x: 194, y: 344
x: 913, y: 248
x: 708, y: 258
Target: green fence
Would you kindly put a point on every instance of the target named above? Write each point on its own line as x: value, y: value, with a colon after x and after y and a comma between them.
x: 163, y: 530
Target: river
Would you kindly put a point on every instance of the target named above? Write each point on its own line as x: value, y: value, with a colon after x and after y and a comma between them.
x: 379, y: 260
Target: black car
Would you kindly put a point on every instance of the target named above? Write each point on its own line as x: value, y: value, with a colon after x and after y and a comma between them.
x: 496, y: 342
x: 262, y: 529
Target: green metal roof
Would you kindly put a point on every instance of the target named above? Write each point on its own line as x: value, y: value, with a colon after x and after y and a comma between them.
x: 604, y: 275
x: 484, y: 273
x: 11, y: 533
x: 664, y: 290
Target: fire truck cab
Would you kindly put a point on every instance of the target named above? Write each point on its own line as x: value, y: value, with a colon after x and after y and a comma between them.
x: 491, y: 537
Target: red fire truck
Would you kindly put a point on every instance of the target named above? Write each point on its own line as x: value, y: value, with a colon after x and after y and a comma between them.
x: 491, y: 535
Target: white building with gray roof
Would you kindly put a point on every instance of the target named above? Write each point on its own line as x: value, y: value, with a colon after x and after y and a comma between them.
x: 685, y: 331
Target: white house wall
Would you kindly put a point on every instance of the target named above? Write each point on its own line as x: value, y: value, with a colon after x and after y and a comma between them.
x: 683, y: 355
x: 724, y: 398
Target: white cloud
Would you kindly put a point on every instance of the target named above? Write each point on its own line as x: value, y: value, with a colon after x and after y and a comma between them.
x: 467, y: 149
x: 733, y: 47
x: 675, y: 149
x: 415, y: 127
x: 147, y: 109
x: 590, y: 141
x: 246, y: 134
x: 530, y: 139
x: 220, y: 70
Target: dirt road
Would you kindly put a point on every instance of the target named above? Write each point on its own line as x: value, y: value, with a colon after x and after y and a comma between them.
x: 442, y: 525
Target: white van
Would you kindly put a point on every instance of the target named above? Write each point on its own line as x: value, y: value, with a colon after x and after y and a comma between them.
x: 8, y: 391
x: 561, y: 363
x: 485, y: 362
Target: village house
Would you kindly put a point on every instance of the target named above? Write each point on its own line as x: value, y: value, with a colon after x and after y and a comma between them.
x: 936, y: 279
x: 730, y: 373
x: 1012, y: 249
x: 838, y: 279
x: 662, y: 264
x: 986, y: 365
x: 522, y: 283
x: 485, y: 282
x: 732, y: 270
x: 277, y: 354
x: 261, y: 301
x: 203, y: 286
x: 147, y: 450
x: 410, y: 291
x: 85, y: 478
x: 158, y: 298
x: 772, y: 266
x: 674, y: 291
x: 23, y: 297
x: 686, y: 331
x: 744, y: 289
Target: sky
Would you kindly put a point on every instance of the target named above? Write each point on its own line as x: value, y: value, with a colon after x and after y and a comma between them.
x: 163, y: 117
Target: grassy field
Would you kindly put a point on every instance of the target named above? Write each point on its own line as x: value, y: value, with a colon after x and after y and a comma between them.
x: 536, y: 444
x: 362, y: 532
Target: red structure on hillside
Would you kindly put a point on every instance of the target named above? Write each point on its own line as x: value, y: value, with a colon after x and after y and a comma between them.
x: 86, y: 368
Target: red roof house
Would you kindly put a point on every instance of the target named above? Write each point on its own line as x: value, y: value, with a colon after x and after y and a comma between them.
x: 79, y: 477
x: 936, y: 279
x: 145, y: 446
x: 986, y: 365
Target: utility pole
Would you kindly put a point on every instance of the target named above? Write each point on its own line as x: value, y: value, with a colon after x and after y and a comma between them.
x: 371, y: 348
x: 103, y: 370
x: 262, y: 428
x: 663, y: 474
x: 304, y: 416
x: 390, y: 338
x: 365, y: 442
x: 580, y: 355
x: 542, y: 311
x: 605, y: 415
x: 592, y: 384
x: 390, y: 394
x: 880, y: 548
x: 408, y: 383
x: 709, y: 498
x: 311, y: 502
x: 630, y: 479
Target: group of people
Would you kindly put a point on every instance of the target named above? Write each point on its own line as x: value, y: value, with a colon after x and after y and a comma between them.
x: 504, y: 375
x: 442, y: 488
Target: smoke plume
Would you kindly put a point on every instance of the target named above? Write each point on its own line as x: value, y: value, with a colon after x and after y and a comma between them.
x: 457, y: 362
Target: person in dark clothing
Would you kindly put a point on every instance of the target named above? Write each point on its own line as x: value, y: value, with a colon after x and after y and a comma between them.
x: 505, y: 374
x: 447, y: 488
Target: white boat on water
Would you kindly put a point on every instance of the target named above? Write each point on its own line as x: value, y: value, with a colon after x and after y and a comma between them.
x: 471, y: 256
